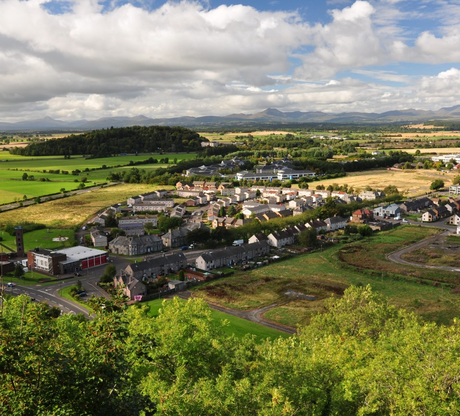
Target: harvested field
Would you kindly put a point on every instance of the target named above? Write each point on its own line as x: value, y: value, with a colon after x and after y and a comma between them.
x: 72, y: 211
x: 413, y: 182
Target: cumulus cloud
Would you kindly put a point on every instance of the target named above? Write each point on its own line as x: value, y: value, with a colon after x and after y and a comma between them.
x: 349, y: 41
x: 87, y: 59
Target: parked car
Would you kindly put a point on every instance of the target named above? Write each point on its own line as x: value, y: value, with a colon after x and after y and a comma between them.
x: 11, y: 284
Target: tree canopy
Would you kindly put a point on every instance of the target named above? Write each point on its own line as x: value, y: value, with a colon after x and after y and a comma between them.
x: 107, y: 142
x: 362, y: 356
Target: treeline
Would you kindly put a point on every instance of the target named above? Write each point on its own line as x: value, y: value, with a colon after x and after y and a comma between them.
x: 115, y: 141
x: 361, y: 356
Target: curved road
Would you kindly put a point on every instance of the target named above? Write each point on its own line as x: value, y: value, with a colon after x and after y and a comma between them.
x: 255, y: 315
x: 396, y: 256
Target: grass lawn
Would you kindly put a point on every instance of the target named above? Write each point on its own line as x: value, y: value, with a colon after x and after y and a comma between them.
x: 74, y: 210
x: 323, y: 275
x: 65, y: 293
x: 30, y: 279
x: 237, y: 326
x: 41, y: 238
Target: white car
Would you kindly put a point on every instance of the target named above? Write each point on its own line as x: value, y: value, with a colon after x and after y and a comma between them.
x: 11, y: 284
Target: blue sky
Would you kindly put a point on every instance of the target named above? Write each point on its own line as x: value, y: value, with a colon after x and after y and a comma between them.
x: 88, y: 59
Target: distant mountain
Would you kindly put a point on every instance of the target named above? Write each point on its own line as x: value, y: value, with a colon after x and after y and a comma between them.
x: 270, y: 116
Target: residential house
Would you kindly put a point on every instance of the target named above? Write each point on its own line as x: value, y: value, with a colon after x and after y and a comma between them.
x: 318, y: 225
x: 231, y: 255
x: 178, y: 211
x: 159, y: 266
x: 136, y: 245
x: 280, y: 239
x: 175, y: 238
x: 441, y: 211
x: 429, y: 216
x: 371, y: 195
x: 130, y: 286
x: 335, y: 223
x: 392, y: 210
x: 362, y: 215
x: 257, y: 238
x: 98, y: 238
x: 416, y: 205
x: 455, y: 219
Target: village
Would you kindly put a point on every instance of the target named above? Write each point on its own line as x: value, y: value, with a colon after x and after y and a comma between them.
x: 170, y: 260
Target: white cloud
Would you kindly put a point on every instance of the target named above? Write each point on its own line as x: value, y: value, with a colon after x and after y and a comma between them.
x: 184, y: 58
x: 349, y: 41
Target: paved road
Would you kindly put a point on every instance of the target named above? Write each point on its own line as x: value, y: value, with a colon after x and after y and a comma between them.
x: 396, y: 256
x: 50, y: 293
x: 255, y: 315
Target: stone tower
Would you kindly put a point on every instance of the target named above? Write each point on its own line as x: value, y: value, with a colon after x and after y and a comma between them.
x: 19, y: 241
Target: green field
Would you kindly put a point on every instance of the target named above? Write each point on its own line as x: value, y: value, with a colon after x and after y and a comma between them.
x: 12, y: 168
x: 11, y: 191
x: 41, y: 238
x: 237, y: 326
x: 323, y: 275
x: 79, y: 162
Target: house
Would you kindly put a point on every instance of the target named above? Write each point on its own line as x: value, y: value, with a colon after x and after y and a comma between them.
x: 132, y: 229
x: 98, y: 238
x: 139, y: 219
x: 153, y: 205
x: 257, y: 238
x: 371, y: 195
x: 416, y: 205
x: 231, y: 255
x: 136, y: 245
x: 441, y: 211
x: 451, y: 207
x: 318, y: 225
x: 175, y: 238
x: 362, y: 215
x: 336, y: 223
x: 130, y: 286
x: 455, y: 219
x: 159, y: 266
x: 429, y: 216
x: 178, y: 211
x: 392, y: 210
x: 280, y: 239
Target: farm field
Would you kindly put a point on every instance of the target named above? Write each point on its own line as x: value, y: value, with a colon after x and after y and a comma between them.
x: 433, y: 150
x: 413, y: 182
x: 16, y: 190
x: 235, y: 326
x: 232, y: 136
x: 72, y: 211
x: 12, y: 168
x: 322, y: 275
x: 24, y: 163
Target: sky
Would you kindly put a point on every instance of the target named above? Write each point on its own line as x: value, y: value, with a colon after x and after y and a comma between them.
x: 87, y: 59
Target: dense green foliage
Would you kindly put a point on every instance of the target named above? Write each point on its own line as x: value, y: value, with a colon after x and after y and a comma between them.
x: 362, y: 356
x: 100, y: 143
